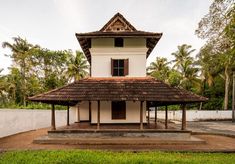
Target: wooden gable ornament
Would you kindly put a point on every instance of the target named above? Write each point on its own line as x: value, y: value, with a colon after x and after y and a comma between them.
x: 118, y: 24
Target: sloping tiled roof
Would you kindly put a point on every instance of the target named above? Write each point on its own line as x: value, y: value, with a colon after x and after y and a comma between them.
x: 117, y: 89
x: 128, y: 32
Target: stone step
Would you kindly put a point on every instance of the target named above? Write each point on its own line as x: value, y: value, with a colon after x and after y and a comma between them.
x: 117, y: 141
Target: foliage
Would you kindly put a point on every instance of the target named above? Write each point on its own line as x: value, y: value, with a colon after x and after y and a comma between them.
x: 218, y: 28
x: 77, y: 67
x: 185, y: 65
x: 159, y: 69
x: 36, y: 70
x: 78, y: 156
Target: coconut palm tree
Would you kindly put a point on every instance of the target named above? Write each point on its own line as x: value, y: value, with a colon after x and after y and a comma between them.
x: 77, y: 67
x: 186, y: 66
x: 159, y: 69
x: 181, y: 55
x: 21, y: 52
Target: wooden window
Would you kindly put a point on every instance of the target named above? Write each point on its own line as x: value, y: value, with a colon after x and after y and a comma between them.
x: 119, y: 67
x: 118, y: 42
x: 118, y: 110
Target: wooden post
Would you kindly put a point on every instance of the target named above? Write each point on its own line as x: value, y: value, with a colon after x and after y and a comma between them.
x: 78, y: 114
x: 53, y: 117
x: 98, y: 115
x: 233, y: 99
x: 183, y: 117
x: 68, y: 115
x: 166, y: 117
x: 141, y: 115
x: 200, y: 107
x: 90, y: 111
x: 147, y: 107
x: 155, y: 117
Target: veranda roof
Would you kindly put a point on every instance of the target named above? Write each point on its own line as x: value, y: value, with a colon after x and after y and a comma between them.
x: 118, y: 89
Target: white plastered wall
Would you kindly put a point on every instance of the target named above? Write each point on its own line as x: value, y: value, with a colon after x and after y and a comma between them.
x: 132, y: 112
x: 103, y: 51
x: 83, y: 111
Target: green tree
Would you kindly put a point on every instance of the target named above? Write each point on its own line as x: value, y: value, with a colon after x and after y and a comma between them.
x: 174, y: 78
x: 182, y: 55
x: 185, y: 65
x: 217, y: 28
x: 21, y: 53
x: 159, y: 69
x: 3, y: 86
x: 77, y: 67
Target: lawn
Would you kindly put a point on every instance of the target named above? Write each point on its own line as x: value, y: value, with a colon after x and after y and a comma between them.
x: 81, y: 156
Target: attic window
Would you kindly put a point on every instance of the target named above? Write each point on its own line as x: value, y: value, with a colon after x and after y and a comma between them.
x: 118, y: 42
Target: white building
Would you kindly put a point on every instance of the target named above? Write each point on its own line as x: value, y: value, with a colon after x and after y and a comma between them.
x: 118, y: 90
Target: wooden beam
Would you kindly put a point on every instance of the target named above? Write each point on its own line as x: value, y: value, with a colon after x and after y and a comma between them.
x: 68, y: 115
x: 166, y: 117
x: 98, y: 115
x: 53, y: 117
x: 90, y: 111
x: 183, y: 117
x: 141, y: 115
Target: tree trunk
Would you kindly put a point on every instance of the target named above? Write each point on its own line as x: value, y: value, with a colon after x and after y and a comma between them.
x: 23, y: 83
x: 226, y: 94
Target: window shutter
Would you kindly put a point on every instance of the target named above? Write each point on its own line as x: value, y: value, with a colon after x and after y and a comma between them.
x: 126, y: 67
x: 111, y: 66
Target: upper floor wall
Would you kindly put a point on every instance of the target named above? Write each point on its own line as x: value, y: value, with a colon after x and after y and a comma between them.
x: 103, y: 52
x: 127, y: 43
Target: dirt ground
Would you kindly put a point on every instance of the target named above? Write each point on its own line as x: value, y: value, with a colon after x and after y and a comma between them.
x: 24, y: 141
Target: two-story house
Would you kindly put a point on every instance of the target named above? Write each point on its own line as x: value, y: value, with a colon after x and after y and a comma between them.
x: 118, y: 90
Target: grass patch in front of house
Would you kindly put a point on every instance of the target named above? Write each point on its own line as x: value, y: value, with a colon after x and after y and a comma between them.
x: 84, y: 156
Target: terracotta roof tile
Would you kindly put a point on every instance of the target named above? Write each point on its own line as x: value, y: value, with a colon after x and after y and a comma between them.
x: 116, y: 89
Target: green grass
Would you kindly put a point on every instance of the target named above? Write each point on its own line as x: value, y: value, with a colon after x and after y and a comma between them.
x: 81, y: 156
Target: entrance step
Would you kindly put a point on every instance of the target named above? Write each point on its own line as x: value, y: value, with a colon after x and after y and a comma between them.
x: 117, y: 141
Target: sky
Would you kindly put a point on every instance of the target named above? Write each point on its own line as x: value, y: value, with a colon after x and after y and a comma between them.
x: 52, y: 24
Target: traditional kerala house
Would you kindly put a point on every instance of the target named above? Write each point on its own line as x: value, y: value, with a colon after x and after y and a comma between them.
x: 118, y: 90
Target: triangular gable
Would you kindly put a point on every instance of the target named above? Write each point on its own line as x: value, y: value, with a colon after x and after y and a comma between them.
x: 118, y: 24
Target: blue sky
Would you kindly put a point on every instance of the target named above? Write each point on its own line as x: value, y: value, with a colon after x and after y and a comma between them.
x: 53, y: 23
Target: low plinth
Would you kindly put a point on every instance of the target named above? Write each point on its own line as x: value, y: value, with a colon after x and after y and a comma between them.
x: 92, y: 133
x: 118, y: 137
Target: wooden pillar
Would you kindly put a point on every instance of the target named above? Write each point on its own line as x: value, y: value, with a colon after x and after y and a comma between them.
x: 166, y: 117
x: 98, y: 115
x: 155, y: 115
x: 53, y: 117
x: 183, y: 117
x: 141, y: 115
x: 90, y: 111
x: 78, y: 113
x: 68, y: 115
x: 233, y: 98
x: 147, y: 108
